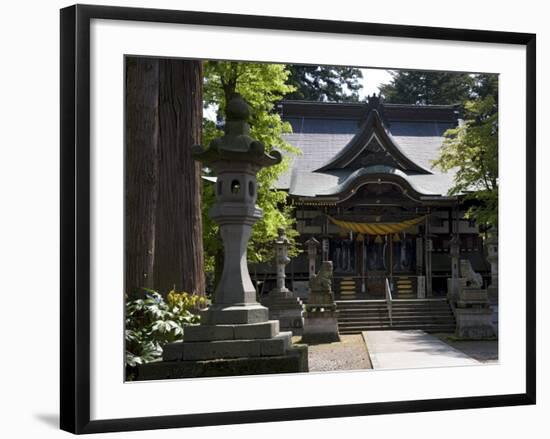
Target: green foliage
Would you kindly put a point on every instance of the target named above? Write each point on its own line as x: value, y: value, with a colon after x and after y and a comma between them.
x: 472, y: 150
x: 325, y: 83
x: 262, y: 86
x: 152, y: 322
x: 428, y: 88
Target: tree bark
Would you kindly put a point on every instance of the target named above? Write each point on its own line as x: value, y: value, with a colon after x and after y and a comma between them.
x: 178, y: 236
x: 141, y: 172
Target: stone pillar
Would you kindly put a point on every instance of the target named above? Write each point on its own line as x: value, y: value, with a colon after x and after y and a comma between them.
x: 492, y: 257
x: 235, y: 336
x: 282, y: 304
x: 325, y: 249
x: 452, y: 283
x: 312, y: 246
x: 428, y: 262
x: 321, y: 316
x: 421, y: 287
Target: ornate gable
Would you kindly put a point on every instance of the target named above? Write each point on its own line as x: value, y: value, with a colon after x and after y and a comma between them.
x: 372, y: 154
x: 372, y: 145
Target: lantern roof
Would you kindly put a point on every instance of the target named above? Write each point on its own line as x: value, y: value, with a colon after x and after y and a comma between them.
x: 236, y: 144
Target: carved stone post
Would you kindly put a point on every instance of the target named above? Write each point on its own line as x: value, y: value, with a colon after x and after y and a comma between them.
x: 312, y: 246
x: 492, y: 258
x: 325, y: 244
x: 235, y: 331
x: 452, y: 283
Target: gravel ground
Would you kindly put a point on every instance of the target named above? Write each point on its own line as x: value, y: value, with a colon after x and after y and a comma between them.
x: 350, y: 353
x: 481, y: 350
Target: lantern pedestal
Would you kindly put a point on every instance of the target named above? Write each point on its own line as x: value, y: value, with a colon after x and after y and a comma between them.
x: 294, y: 360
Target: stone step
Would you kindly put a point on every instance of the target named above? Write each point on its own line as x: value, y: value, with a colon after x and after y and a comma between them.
x: 427, y: 328
x: 362, y: 317
x: 407, y: 313
x: 395, y: 308
x: 397, y: 301
x: 411, y: 323
x: 400, y: 318
x: 395, y: 311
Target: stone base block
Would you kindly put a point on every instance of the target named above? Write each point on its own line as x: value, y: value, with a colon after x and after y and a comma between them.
x: 474, y: 323
x: 321, y: 297
x: 320, y: 327
x: 289, y: 313
x: 293, y: 360
x: 267, y: 329
x: 209, y: 350
x: 234, y: 314
x: 289, y: 321
x: 472, y: 296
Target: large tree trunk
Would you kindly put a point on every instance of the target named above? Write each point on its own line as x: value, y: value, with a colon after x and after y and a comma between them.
x: 141, y: 176
x: 163, y: 224
x: 179, y: 251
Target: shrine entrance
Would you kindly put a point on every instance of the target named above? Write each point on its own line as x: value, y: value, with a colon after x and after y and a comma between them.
x: 374, y: 252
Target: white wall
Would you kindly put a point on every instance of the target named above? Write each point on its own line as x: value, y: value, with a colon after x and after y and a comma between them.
x: 29, y: 247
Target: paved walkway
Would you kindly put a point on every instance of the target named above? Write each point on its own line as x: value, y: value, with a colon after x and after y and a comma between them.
x: 412, y: 349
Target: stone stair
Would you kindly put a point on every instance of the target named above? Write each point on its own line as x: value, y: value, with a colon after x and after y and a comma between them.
x: 405, y: 288
x: 430, y: 315
x: 348, y: 289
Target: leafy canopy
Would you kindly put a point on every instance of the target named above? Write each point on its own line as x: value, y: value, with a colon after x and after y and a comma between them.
x: 262, y: 86
x: 472, y: 149
x: 427, y: 88
x: 324, y: 83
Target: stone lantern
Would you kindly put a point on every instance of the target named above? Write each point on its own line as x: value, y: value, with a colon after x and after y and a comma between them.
x: 281, y: 259
x: 235, y: 336
x: 282, y: 304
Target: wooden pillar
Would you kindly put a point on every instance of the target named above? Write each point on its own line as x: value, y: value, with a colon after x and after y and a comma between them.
x: 428, y: 258
x: 454, y: 252
x: 363, y: 264
x: 389, y: 243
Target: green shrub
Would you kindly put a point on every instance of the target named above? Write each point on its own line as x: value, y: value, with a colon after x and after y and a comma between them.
x: 152, y: 322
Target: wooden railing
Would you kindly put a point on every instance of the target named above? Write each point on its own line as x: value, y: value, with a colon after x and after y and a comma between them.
x: 389, y: 300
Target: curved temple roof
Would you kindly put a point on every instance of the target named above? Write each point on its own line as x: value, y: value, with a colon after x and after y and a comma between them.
x: 341, y: 144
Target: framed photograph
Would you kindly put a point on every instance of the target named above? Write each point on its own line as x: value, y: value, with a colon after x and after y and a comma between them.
x: 273, y: 218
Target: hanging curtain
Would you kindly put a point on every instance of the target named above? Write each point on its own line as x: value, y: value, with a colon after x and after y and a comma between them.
x: 378, y: 228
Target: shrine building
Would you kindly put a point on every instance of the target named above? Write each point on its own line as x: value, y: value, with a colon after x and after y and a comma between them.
x: 365, y: 187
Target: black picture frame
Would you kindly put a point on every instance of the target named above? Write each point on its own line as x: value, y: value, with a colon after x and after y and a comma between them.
x: 75, y: 217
